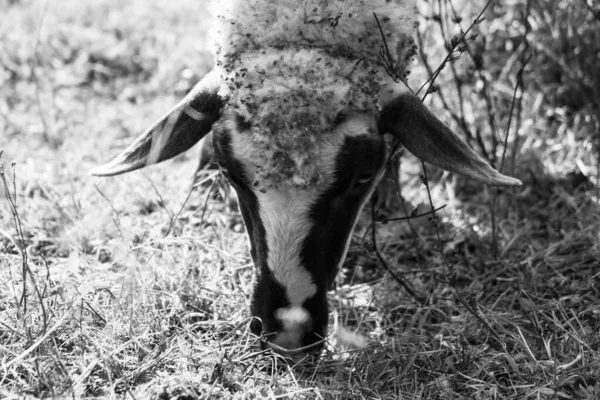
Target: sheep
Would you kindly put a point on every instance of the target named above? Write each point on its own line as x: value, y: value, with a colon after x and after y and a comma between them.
x: 298, y: 103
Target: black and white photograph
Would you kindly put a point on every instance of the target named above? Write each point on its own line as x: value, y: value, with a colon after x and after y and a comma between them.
x: 300, y: 199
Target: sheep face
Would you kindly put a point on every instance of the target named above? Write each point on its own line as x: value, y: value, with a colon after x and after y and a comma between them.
x: 299, y: 235
x: 298, y: 103
x: 299, y: 224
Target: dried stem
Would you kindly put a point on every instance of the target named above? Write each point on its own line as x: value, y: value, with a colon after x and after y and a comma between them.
x: 26, y: 271
x: 383, y: 262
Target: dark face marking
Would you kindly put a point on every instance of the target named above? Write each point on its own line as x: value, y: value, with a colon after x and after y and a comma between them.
x: 358, y: 168
x: 299, y: 238
x: 264, y: 282
x: 238, y: 178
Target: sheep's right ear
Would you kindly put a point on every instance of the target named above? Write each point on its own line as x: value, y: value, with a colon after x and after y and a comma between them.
x: 176, y: 132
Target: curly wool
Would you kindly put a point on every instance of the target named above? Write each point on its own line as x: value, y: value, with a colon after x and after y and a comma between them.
x: 290, y: 66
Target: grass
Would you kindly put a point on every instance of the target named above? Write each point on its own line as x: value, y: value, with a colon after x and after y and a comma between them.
x: 120, y: 288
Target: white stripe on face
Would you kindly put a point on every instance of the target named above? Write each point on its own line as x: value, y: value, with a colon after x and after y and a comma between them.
x: 284, y: 214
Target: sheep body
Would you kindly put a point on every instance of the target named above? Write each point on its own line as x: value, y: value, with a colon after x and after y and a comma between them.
x: 291, y: 66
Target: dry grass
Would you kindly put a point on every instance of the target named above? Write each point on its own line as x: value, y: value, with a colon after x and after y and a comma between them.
x: 119, y: 288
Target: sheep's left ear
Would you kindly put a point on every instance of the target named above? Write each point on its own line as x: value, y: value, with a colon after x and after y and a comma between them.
x: 424, y: 135
x: 181, y: 128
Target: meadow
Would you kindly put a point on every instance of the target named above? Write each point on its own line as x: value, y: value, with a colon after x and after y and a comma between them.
x: 137, y: 286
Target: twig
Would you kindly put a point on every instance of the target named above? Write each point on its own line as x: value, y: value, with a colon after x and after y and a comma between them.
x: 19, y: 229
x: 210, y: 190
x: 36, y: 344
x: 516, y: 99
x: 188, y: 197
x: 516, y: 102
x: 385, y: 221
x: 425, y: 180
x: 449, y: 56
x: 400, y: 281
x: 396, y: 177
x: 112, y: 207
x: 471, y: 308
x: 460, y: 120
x: 388, y: 61
x: 162, y: 203
x: 491, y: 114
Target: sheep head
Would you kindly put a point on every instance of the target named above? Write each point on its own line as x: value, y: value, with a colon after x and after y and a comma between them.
x: 298, y: 103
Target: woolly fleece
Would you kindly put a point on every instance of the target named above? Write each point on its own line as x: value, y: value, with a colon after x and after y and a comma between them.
x: 290, y: 67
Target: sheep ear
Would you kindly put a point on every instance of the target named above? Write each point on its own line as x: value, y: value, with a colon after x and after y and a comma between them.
x: 424, y: 135
x: 181, y: 128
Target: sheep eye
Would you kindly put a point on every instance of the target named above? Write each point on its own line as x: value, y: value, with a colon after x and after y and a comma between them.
x: 363, y: 179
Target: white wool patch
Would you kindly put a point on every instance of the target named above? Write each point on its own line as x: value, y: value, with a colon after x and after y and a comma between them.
x: 343, y: 28
x: 292, y: 108
x: 346, y: 339
x: 285, y: 217
x: 290, y: 66
x: 292, y: 317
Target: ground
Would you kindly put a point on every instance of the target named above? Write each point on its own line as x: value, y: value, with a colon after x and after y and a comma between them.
x: 137, y: 287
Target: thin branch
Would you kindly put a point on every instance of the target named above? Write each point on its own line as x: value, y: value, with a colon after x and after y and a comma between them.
x: 116, y: 217
x: 450, y: 56
x: 173, y: 218
x: 385, y: 221
x: 383, y: 262
x: 388, y: 61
